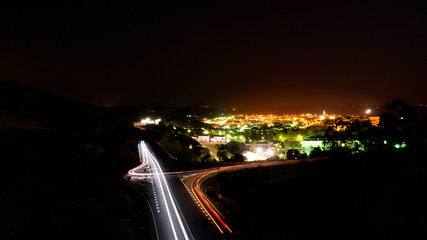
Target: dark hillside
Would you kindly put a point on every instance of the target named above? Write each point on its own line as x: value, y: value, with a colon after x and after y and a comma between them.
x: 95, y: 138
x: 24, y: 102
x: 376, y: 195
x: 61, y: 162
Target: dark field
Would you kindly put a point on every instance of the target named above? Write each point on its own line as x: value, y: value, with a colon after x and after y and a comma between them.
x: 361, y: 197
x: 49, y: 191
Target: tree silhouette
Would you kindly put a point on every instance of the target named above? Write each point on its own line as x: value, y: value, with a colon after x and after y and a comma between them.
x: 234, y: 147
x: 316, y: 153
x: 224, y: 154
x: 238, y: 157
x: 400, y: 123
x: 292, y: 154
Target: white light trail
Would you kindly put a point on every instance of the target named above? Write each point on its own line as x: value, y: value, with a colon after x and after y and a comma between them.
x: 144, y: 163
x: 162, y: 182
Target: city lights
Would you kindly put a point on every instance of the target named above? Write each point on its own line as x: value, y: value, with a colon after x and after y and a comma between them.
x: 242, y: 123
x: 148, y: 121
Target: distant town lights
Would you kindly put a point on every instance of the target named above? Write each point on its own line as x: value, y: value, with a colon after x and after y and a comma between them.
x: 148, y: 120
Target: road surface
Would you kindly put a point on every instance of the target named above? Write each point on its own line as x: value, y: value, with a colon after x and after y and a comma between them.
x: 175, y: 214
x: 181, y: 208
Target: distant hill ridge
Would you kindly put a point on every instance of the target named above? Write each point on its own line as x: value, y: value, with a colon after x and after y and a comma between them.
x: 24, y: 106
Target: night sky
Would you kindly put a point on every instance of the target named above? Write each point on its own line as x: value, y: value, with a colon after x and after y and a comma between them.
x: 231, y: 53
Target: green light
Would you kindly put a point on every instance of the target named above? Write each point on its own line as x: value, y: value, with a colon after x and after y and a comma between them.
x: 397, y: 146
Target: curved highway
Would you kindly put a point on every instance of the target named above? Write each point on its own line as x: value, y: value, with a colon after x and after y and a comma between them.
x: 182, y: 210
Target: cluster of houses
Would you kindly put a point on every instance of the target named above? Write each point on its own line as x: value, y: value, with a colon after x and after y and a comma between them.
x: 264, y: 147
x: 205, y: 138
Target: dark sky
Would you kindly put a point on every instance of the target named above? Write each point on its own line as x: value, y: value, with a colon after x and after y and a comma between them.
x: 234, y: 53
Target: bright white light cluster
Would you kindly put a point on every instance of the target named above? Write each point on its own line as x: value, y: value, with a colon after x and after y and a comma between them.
x: 260, y: 154
x: 251, y: 156
x: 147, y: 121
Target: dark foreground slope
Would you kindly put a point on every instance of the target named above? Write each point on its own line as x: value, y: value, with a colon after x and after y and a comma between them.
x: 379, y: 196
x: 60, y: 164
